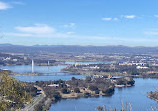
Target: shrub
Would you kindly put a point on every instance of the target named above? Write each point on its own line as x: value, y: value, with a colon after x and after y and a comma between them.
x: 93, y: 88
x: 97, y: 92
x: 87, y: 94
x: 65, y: 91
x: 77, y: 90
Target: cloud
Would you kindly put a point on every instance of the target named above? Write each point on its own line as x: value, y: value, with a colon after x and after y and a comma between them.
x: 107, y: 19
x: 129, y: 16
x: 70, y: 32
x: 44, y: 30
x: 38, y: 30
x: 70, y: 25
x: 20, y: 34
x: 4, y: 6
x: 151, y: 32
x: 50, y: 33
x: 156, y: 16
x: 115, y: 19
x: 17, y: 3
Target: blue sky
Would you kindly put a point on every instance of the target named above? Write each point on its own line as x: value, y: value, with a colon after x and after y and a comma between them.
x: 79, y: 22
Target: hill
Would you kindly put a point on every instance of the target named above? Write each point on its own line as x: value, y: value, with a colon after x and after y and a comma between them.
x: 75, y: 49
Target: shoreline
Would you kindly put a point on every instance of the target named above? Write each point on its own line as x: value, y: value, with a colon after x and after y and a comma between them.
x: 26, y: 74
x: 77, y: 88
x: 149, y: 95
x: 31, y: 64
x: 106, y: 74
x: 91, y: 96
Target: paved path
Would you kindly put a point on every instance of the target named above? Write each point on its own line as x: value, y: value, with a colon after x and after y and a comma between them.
x: 36, y: 100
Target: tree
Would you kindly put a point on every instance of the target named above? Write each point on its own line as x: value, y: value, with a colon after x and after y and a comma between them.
x: 77, y: 90
x: 99, y: 108
x: 93, y: 88
x: 73, y: 79
x: 88, y: 79
x: 65, y: 91
x: 108, y: 91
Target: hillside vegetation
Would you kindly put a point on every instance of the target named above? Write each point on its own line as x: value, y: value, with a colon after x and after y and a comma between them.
x: 14, y: 94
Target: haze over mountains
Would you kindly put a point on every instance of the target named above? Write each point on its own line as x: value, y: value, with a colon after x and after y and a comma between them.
x: 75, y: 49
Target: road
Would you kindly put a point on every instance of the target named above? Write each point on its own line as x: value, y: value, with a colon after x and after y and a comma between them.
x: 36, y: 100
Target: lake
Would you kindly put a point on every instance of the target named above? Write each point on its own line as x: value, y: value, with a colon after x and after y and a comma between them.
x: 49, y: 73
x: 135, y: 95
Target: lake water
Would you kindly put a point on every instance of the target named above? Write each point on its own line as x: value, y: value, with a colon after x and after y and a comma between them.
x: 135, y: 95
x: 49, y: 73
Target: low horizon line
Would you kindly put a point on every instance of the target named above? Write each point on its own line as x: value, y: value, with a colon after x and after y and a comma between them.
x: 76, y: 45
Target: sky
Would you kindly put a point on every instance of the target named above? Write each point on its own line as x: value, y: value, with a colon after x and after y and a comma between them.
x: 79, y: 22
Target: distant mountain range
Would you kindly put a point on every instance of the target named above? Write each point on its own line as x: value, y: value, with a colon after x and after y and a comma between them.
x: 75, y: 49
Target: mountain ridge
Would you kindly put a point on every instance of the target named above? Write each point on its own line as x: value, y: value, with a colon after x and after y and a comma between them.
x: 76, y: 49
